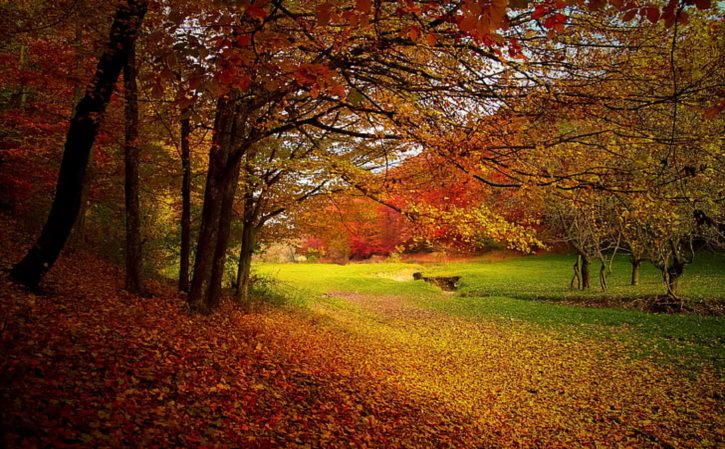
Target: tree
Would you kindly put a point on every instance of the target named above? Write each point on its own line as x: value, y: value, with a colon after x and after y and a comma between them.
x: 131, y: 185
x: 79, y: 141
x: 185, y: 251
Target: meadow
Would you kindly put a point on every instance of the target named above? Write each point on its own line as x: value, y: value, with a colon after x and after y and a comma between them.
x: 533, y: 290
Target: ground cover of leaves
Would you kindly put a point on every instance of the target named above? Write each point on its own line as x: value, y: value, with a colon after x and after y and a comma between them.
x: 85, y: 365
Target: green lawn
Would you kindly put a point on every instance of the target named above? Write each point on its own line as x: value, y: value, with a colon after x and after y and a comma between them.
x: 504, y: 290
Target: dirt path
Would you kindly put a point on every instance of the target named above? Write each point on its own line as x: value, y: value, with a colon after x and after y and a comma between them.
x: 513, y: 385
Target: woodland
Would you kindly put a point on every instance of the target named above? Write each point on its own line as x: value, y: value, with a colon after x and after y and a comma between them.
x: 561, y: 162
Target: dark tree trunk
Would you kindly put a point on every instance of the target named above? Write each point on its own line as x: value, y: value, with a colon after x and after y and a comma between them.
x: 131, y: 186
x: 225, y: 222
x: 246, y: 250
x: 672, y: 273
x: 576, y: 280
x: 79, y: 141
x: 603, y: 276
x: 245, y: 264
x: 212, y: 209
x: 585, y: 272
x: 636, y: 265
x: 78, y: 235
x: 23, y: 92
x: 185, y: 202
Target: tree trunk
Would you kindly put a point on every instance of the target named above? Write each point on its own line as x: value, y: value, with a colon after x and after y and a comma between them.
x: 576, y: 279
x: 131, y: 186
x: 672, y: 273
x: 225, y: 222
x: 603, y: 276
x: 79, y: 141
x: 78, y: 235
x: 212, y: 209
x: 585, y: 272
x: 23, y: 93
x: 636, y: 263
x: 185, y: 202
x: 245, y: 265
x: 245, y: 252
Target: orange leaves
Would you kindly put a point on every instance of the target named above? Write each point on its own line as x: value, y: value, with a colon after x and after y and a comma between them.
x: 323, y: 13
x: 329, y: 11
x: 481, y: 18
x: 319, y: 78
x: 88, y: 366
x: 364, y: 6
x: 412, y: 32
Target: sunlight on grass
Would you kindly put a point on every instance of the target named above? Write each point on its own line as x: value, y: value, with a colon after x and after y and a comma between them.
x: 502, y: 291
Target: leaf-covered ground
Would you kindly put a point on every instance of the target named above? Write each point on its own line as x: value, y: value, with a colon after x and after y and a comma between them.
x: 85, y: 365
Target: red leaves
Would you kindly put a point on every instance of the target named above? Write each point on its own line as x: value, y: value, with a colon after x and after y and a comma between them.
x: 364, y: 6
x: 554, y: 20
x: 540, y: 11
x: 257, y: 12
x: 323, y: 13
x: 652, y: 13
x: 629, y: 15
x: 319, y: 78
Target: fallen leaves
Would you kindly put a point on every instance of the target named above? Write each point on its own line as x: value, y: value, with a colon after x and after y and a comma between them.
x: 89, y: 366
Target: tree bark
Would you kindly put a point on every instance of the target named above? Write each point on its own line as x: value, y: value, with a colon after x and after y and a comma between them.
x: 246, y: 250
x: 225, y: 221
x: 245, y: 264
x: 79, y: 141
x: 672, y: 273
x: 23, y: 93
x: 78, y: 234
x: 636, y: 265
x: 185, y: 202
x: 212, y: 208
x: 131, y: 185
x: 576, y: 279
x: 585, y: 272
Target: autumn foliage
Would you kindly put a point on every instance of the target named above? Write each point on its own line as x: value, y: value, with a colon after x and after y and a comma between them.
x: 183, y: 137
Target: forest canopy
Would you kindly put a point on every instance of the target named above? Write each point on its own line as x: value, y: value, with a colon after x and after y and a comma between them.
x: 211, y: 129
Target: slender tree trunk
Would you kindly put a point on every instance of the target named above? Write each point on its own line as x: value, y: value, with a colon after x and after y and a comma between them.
x: 225, y: 221
x: 636, y: 265
x: 245, y: 264
x: 23, y: 94
x: 249, y: 234
x: 131, y: 186
x: 603, y: 276
x: 79, y: 141
x: 585, y: 272
x: 212, y: 209
x: 185, y: 202
x: 576, y: 279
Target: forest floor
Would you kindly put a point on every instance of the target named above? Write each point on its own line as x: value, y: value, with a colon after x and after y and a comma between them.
x: 86, y: 365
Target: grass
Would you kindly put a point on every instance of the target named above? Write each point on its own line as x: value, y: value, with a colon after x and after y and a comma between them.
x: 503, y: 290
x: 548, y: 277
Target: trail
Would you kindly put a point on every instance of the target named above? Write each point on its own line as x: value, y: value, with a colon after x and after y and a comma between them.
x: 515, y: 384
